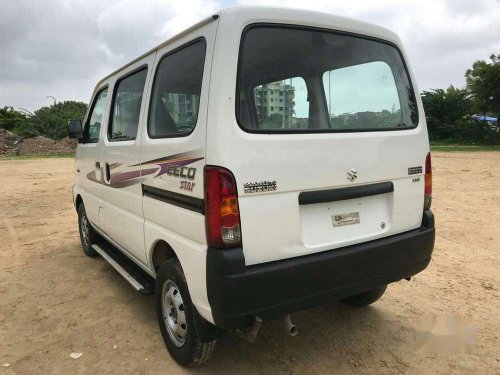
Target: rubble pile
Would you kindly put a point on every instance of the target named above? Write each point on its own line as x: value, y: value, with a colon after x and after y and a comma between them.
x: 11, y: 144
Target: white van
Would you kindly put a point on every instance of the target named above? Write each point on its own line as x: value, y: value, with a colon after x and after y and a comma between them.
x: 262, y: 162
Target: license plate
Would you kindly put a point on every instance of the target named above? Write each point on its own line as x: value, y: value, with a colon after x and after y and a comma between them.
x: 345, y: 219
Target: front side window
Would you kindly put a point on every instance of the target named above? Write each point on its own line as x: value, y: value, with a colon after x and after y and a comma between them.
x: 127, y: 107
x: 323, y: 81
x: 93, y: 126
x: 176, y: 92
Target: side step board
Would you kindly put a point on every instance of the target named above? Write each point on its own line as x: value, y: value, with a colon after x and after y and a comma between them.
x: 135, y: 276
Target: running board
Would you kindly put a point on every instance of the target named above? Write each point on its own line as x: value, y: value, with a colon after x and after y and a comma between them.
x: 135, y: 276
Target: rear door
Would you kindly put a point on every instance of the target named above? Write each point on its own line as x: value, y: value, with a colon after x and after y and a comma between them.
x: 328, y: 149
x: 121, y: 158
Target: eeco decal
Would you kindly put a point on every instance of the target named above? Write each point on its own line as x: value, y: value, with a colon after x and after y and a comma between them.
x: 173, y: 165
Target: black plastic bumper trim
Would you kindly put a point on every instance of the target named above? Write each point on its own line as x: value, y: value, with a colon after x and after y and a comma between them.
x: 237, y: 293
x: 332, y: 195
x: 176, y: 199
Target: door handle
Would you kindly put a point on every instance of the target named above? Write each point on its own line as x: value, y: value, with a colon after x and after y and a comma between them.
x: 107, y: 173
x: 98, y: 175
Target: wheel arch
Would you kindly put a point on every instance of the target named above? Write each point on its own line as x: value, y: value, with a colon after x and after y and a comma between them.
x: 78, y: 201
x: 160, y: 252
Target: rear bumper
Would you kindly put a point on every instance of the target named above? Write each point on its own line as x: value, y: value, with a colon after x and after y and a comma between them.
x: 238, y: 293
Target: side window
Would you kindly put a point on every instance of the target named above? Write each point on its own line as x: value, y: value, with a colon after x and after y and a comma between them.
x: 282, y: 104
x: 176, y: 92
x: 127, y: 107
x: 93, y: 125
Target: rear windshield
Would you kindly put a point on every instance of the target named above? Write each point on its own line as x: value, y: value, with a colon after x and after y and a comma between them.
x: 306, y: 80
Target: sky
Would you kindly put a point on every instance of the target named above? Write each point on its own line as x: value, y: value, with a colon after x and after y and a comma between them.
x: 60, y: 49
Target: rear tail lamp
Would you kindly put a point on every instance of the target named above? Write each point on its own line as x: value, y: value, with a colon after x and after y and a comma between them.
x: 428, y: 182
x: 222, y: 215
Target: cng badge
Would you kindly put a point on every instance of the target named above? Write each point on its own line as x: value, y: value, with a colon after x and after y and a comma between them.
x: 345, y: 219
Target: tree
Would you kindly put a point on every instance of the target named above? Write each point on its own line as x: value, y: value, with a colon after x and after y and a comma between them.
x: 449, y: 118
x: 51, y: 121
x: 444, y: 109
x: 483, y: 83
x: 10, y: 118
x: 274, y: 121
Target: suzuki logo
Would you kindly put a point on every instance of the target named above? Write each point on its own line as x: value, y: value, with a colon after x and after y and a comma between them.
x: 352, y: 175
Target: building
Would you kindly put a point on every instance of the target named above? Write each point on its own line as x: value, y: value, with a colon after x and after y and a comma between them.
x: 275, y: 98
x: 183, y: 108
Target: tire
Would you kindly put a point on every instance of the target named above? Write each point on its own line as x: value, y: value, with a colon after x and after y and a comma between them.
x: 365, y: 298
x: 174, y: 306
x: 88, y: 235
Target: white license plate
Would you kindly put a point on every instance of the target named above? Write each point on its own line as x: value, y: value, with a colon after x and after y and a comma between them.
x: 345, y: 219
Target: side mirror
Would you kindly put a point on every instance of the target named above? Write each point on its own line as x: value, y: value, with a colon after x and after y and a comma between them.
x: 75, y: 129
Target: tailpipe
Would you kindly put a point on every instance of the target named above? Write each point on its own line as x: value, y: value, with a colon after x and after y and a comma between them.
x: 290, y: 328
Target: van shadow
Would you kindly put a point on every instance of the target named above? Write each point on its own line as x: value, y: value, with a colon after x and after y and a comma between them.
x: 331, y: 338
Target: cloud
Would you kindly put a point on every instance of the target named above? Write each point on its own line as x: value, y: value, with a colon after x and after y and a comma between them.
x: 442, y: 37
x: 62, y: 47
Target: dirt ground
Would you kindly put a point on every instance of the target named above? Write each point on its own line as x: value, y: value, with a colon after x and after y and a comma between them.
x: 55, y: 301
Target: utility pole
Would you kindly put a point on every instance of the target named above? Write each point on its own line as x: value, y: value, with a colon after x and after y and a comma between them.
x: 284, y: 104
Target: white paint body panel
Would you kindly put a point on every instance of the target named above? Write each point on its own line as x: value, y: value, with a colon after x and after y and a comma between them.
x: 182, y: 229
x: 123, y: 218
x: 274, y: 225
x: 87, y: 155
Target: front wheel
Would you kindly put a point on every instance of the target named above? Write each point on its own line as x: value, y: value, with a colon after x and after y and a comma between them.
x: 88, y: 236
x: 365, y: 298
x: 176, y: 316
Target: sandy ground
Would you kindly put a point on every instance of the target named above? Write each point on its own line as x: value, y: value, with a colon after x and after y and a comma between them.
x: 54, y: 300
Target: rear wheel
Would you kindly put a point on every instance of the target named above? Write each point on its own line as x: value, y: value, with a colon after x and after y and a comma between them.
x: 88, y: 236
x: 176, y: 317
x: 365, y: 298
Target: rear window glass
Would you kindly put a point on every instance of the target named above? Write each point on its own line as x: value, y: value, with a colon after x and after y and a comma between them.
x: 315, y: 81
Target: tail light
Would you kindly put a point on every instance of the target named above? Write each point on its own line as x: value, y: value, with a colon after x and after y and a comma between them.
x: 428, y: 182
x: 222, y: 215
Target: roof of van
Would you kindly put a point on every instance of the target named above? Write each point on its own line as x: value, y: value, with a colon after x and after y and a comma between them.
x: 304, y: 17
x: 294, y: 16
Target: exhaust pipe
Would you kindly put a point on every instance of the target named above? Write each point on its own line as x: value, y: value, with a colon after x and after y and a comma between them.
x: 252, y: 335
x: 290, y: 328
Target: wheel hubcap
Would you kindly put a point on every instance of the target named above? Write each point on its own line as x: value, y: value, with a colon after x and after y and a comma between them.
x: 173, y: 313
x: 85, y: 230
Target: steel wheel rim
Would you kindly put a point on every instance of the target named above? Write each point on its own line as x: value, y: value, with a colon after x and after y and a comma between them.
x: 85, y: 230
x: 174, y: 314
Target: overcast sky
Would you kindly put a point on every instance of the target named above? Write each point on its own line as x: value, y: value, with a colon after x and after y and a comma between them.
x: 62, y: 48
